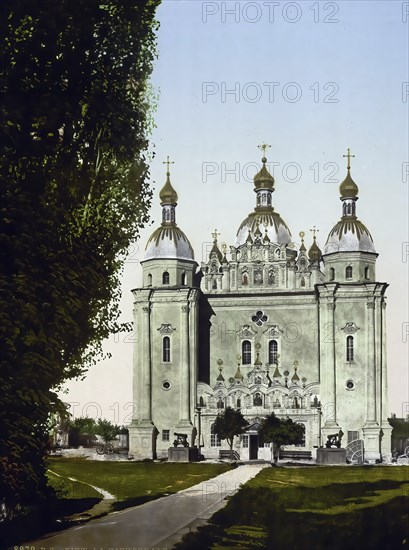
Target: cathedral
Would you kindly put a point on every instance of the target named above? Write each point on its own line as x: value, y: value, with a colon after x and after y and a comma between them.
x: 263, y: 326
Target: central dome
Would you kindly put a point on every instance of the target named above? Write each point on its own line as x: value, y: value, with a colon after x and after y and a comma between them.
x: 276, y: 228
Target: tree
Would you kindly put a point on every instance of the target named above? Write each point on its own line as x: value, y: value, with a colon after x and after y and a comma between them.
x: 228, y: 424
x: 75, y: 116
x: 281, y: 432
x: 107, y: 430
x: 82, y: 431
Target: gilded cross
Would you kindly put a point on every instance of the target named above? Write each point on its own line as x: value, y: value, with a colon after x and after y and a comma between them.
x: 263, y: 148
x: 315, y: 230
x: 167, y: 162
x: 349, y: 156
x: 214, y: 235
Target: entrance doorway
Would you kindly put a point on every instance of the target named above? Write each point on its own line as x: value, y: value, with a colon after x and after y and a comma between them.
x: 253, y: 450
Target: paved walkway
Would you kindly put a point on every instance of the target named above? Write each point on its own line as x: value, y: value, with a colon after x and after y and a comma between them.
x: 158, y: 524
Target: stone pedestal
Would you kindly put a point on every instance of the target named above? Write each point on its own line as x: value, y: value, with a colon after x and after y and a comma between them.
x: 331, y: 456
x: 142, y: 440
x: 372, y: 439
x: 183, y: 454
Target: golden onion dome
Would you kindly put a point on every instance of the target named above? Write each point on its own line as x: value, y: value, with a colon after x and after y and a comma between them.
x: 263, y: 179
x: 348, y: 188
x: 167, y: 194
x: 314, y: 253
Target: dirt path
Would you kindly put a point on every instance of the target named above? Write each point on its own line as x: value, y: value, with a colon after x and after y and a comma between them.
x: 159, y: 523
x: 105, y: 494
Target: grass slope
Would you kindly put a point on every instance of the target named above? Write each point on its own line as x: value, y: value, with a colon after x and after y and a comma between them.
x: 313, y: 508
x: 133, y: 483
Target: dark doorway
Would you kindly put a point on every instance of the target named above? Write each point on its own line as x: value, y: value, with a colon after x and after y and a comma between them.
x: 253, y: 455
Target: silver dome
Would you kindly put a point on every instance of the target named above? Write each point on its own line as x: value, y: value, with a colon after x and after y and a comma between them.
x: 349, y: 236
x: 168, y: 242
x: 277, y: 229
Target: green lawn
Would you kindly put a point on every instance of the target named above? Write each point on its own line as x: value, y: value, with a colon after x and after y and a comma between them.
x: 313, y: 508
x: 130, y: 482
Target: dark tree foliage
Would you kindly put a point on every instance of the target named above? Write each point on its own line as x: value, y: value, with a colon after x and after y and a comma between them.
x: 228, y: 424
x: 107, y: 430
x: 75, y: 113
x: 281, y: 431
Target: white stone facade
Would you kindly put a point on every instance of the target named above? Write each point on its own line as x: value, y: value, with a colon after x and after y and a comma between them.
x: 267, y: 327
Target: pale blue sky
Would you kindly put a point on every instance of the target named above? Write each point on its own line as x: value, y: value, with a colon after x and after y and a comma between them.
x: 362, y: 60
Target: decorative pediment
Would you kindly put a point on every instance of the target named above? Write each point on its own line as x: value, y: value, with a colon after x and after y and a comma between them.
x: 254, y: 426
x: 273, y: 331
x: 350, y: 328
x: 166, y: 328
x: 246, y: 332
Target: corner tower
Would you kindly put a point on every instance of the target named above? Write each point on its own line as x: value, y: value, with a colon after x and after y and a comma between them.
x: 166, y: 335
x: 352, y: 326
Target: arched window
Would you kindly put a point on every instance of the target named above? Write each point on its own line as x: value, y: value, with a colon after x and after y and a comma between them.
x: 246, y: 352
x: 166, y: 349
x: 366, y: 273
x: 220, y: 403
x: 201, y: 401
x: 239, y: 403
x: 183, y: 278
x: 257, y: 400
x: 165, y: 278
x: 348, y: 272
x: 350, y: 348
x: 215, y: 440
x: 149, y: 279
x: 245, y: 279
x: 302, y: 281
x: 214, y: 284
x: 272, y: 352
x: 331, y: 274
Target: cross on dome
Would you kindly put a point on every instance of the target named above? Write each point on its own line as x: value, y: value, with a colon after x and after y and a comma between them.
x: 215, y: 234
x: 263, y: 148
x: 168, y: 162
x: 349, y: 156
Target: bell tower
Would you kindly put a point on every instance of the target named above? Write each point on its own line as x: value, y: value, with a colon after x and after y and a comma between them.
x: 166, y: 328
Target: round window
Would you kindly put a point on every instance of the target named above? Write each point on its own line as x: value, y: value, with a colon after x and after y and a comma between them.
x: 166, y: 385
x: 350, y: 385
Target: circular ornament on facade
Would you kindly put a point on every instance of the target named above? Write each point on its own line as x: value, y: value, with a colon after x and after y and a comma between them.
x: 350, y: 385
x: 166, y: 385
x: 231, y: 379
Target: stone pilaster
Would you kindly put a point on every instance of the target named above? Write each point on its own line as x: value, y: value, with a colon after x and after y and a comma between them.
x: 330, y: 406
x: 185, y: 422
